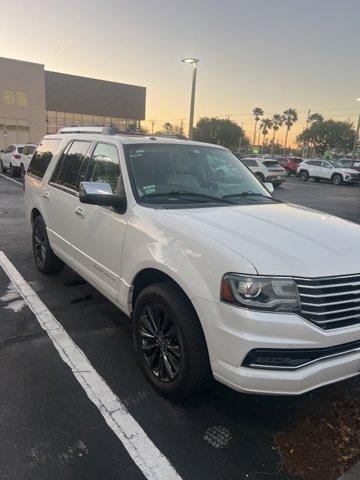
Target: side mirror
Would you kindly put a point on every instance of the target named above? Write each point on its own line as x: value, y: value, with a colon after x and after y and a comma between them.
x: 98, y: 193
x: 269, y: 186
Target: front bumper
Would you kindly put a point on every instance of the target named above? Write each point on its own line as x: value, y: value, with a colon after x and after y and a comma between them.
x: 232, y: 332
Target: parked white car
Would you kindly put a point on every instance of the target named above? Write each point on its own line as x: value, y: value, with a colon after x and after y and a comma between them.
x: 325, y: 170
x: 11, y: 159
x: 266, y: 170
x: 216, y: 275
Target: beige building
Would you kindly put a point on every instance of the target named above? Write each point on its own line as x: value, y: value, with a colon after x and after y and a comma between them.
x: 34, y: 102
x: 22, y: 102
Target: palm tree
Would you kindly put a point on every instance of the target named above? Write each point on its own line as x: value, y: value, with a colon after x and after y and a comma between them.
x: 290, y: 117
x: 277, y: 121
x: 265, y: 125
x: 316, y: 118
x: 257, y: 112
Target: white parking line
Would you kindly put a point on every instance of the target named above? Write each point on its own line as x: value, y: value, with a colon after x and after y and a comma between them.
x: 11, y: 179
x: 153, y: 464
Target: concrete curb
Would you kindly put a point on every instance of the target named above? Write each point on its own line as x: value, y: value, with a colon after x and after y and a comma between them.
x: 352, y: 474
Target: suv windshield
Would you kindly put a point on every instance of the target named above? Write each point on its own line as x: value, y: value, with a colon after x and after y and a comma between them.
x: 186, y: 173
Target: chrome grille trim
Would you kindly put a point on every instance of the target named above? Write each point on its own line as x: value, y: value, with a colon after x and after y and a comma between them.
x: 330, y: 302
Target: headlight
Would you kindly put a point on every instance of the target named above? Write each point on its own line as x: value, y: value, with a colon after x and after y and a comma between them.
x: 264, y: 293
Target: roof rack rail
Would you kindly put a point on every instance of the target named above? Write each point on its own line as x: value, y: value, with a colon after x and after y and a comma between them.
x: 101, y: 130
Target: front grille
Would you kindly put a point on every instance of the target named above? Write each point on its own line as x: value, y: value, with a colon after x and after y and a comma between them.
x: 330, y: 302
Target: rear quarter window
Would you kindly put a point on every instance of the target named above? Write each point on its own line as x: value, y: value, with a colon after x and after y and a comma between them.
x: 270, y: 163
x: 250, y: 163
x: 43, y: 156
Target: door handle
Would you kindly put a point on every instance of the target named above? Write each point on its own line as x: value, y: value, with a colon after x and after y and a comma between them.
x: 46, y: 194
x: 80, y: 212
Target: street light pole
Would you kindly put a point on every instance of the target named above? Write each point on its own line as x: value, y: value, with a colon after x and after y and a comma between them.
x: 194, y: 62
x: 356, y: 139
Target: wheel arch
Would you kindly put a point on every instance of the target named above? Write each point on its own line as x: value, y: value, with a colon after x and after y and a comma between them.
x: 35, y: 212
x: 149, y: 276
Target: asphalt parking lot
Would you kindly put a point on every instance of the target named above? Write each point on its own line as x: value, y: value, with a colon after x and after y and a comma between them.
x: 50, y: 426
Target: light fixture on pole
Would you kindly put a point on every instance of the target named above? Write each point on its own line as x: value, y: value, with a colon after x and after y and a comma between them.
x: 194, y: 62
x: 356, y: 139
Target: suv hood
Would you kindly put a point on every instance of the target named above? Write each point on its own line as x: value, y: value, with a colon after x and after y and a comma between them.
x: 348, y: 170
x: 279, y: 239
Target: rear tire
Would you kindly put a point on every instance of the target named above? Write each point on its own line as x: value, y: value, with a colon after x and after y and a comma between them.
x: 304, y: 175
x: 169, y: 341
x: 260, y: 177
x: 45, y: 259
x: 2, y: 168
x: 14, y: 171
x: 337, y: 179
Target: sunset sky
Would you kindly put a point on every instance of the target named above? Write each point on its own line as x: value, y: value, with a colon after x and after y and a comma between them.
x: 269, y: 53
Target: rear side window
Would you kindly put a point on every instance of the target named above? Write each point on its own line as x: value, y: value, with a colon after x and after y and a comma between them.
x: 20, y: 149
x: 314, y: 163
x: 270, y: 163
x: 67, y: 175
x: 42, y: 157
x: 104, y: 165
x: 250, y: 163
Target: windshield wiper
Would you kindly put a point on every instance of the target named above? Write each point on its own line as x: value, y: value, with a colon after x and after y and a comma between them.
x: 250, y: 194
x: 185, y: 193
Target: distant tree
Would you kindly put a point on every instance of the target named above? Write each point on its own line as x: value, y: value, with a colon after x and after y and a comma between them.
x: 265, y: 125
x: 290, y: 117
x: 316, y: 118
x: 168, y: 128
x: 328, y: 135
x: 220, y: 131
x: 257, y: 112
x: 277, y: 121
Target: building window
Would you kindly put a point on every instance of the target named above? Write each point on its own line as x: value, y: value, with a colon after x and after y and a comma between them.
x: 57, y: 120
x: 21, y: 99
x: 10, y: 97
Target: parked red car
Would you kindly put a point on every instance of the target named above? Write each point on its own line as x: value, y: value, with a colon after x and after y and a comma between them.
x: 290, y: 164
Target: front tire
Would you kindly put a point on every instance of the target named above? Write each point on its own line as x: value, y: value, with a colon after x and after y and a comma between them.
x: 304, y: 175
x: 169, y: 341
x: 14, y: 171
x: 337, y: 179
x: 2, y: 168
x: 260, y: 177
x: 22, y: 171
x: 45, y: 259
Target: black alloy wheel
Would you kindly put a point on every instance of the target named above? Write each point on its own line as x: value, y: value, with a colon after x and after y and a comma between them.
x: 45, y: 259
x: 39, y: 244
x: 160, y: 342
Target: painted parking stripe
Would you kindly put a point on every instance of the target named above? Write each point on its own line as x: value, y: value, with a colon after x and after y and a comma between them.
x: 153, y: 464
x: 11, y: 179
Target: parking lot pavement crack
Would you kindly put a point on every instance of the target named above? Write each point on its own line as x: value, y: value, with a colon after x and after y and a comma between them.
x: 22, y: 337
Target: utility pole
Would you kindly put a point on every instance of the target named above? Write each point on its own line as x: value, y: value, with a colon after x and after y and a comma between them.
x: 152, y: 126
x: 181, y: 126
x: 305, y: 147
x: 193, y: 62
x: 356, y: 140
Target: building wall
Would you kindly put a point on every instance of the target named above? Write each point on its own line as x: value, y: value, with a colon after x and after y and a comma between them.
x: 22, y: 102
x: 88, y: 96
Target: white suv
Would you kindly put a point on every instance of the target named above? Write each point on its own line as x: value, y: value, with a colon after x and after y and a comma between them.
x: 217, y: 275
x: 11, y: 159
x: 266, y: 170
x: 326, y: 170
